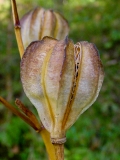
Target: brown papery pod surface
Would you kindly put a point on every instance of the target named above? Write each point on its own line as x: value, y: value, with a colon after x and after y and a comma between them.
x: 40, y: 22
x: 62, y: 80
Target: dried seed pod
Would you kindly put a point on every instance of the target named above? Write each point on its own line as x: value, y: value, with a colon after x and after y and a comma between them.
x: 40, y: 22
x: 62, y: 80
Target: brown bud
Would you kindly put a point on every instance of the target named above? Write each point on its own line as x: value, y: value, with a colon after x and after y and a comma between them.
x: 39, y: 23
x: 62, y: 80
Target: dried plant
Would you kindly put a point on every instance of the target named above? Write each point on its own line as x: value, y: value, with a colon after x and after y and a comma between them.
x: 61, y: 79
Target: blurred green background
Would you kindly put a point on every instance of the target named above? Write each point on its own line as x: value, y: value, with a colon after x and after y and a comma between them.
x: 96, y: 135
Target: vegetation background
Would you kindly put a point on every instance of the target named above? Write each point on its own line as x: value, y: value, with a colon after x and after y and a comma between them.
x: 96, y: 135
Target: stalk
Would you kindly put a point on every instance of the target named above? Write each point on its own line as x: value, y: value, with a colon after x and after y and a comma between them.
x: 59, y: 151
x: 49, y: 146
x: 17, y: 28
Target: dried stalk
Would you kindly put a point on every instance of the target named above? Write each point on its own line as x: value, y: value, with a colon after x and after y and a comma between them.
x: 17, y: 28
x: 30, y: 119
x: 21, y: 115
x: 29, y: 114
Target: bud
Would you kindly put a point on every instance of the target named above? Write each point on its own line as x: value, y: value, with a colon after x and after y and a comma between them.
x: 40, y: 22
x: 62, y: 80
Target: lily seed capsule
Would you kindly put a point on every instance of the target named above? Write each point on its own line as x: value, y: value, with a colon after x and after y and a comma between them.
x: 62, y: 80
x: 39, y: 23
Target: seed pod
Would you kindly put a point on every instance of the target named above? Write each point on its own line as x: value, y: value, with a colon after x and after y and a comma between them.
x: 62, y: 80
x: 40, y: 22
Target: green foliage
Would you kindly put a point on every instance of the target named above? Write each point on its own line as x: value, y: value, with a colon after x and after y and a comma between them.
x: 96, y: 134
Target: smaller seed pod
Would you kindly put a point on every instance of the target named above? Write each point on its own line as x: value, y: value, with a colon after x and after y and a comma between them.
x: 62, y: 80
x: 40, y: 22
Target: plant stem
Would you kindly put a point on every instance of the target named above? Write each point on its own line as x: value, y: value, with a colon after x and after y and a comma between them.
x: 19, y: 114
x: 17, y: 28
x: 49, y: 146
x: 59, y: 151
x: 29, y: 118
